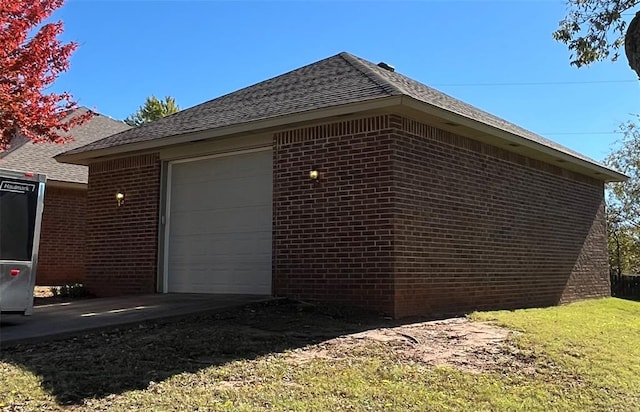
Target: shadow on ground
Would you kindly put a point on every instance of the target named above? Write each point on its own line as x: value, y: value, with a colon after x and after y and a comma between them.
x: 98, y: 364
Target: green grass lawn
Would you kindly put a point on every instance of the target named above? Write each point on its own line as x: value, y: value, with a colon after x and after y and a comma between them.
x: 583, y: 356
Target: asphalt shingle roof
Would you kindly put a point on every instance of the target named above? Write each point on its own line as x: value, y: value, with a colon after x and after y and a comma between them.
x: 334, y: 81
x: 23, y: 155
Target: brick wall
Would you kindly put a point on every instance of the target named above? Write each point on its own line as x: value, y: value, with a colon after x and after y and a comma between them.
x: 478, y: 227
x: 405, y: 218
x: 62, y: 237
x: 409, y: 219
x: 332, y: 238
x: 122, y: 241
x: 590, y: 275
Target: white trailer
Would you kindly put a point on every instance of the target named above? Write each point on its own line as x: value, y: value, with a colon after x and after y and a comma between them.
x: 21, y: 204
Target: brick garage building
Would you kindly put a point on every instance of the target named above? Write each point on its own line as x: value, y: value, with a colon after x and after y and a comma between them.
x: 62, y: 240
x: 418, y: 203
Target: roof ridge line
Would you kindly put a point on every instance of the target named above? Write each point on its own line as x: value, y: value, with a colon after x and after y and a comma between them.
x: 380, y: 81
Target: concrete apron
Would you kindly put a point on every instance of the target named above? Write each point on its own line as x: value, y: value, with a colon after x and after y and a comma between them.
x: 71, y: 318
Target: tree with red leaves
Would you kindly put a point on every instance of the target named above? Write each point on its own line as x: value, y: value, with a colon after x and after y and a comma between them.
x: 30, y: 61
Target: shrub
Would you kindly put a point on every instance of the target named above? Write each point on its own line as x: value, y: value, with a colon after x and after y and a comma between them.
x: 73, y: 290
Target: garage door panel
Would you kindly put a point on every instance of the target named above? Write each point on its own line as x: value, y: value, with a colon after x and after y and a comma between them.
x: 205, y: 281
x: 228, y: 221
x: 254, y: 195
x: 203, y: 245
x: 225, y: 266
x: 224, y: 169
x: 224, y: 278
x: 220, y: 231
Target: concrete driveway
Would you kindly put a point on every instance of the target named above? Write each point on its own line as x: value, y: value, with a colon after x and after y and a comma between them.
x: 63, y: 319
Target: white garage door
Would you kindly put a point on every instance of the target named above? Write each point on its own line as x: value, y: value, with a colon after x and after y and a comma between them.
x: 219, y: 237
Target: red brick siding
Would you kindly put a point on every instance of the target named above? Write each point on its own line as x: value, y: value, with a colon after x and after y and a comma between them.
x: 62, y: 237
x: 122, y: 241
x: 409, y: 219
x: 405, y: 218
x: 590, y: 275
x: 332, y: 239
x: 477, y: 227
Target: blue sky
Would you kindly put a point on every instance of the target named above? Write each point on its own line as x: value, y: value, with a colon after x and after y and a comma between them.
x: 478, y: 51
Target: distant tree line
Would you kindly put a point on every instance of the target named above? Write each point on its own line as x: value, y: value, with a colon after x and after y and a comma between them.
x: 623, y: 203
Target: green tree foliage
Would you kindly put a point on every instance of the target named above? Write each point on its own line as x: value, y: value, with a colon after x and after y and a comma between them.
x: 624, y: 250
x: 153, y: 109
x: 623, y: 203
x: 593, y: 30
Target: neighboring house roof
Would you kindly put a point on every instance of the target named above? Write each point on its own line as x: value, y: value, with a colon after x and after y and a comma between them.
x: 336, y: 81
x: 24, y: 155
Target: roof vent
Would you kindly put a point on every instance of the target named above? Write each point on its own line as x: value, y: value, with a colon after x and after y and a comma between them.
x: 387, y: 66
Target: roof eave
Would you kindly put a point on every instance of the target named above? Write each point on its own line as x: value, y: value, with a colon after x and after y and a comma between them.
x: 597, y: 171
x: 84, y: 158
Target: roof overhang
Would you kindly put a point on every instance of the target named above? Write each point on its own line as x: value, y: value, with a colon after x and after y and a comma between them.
x: 474, y: 129
x: 402, y: 104
x: 255, y: 126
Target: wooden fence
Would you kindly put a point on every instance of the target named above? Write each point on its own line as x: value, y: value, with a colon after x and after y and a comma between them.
x: 625, y: 286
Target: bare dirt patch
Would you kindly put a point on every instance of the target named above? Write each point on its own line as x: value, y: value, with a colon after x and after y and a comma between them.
x: 456, y: 342
x: 296, y: 332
